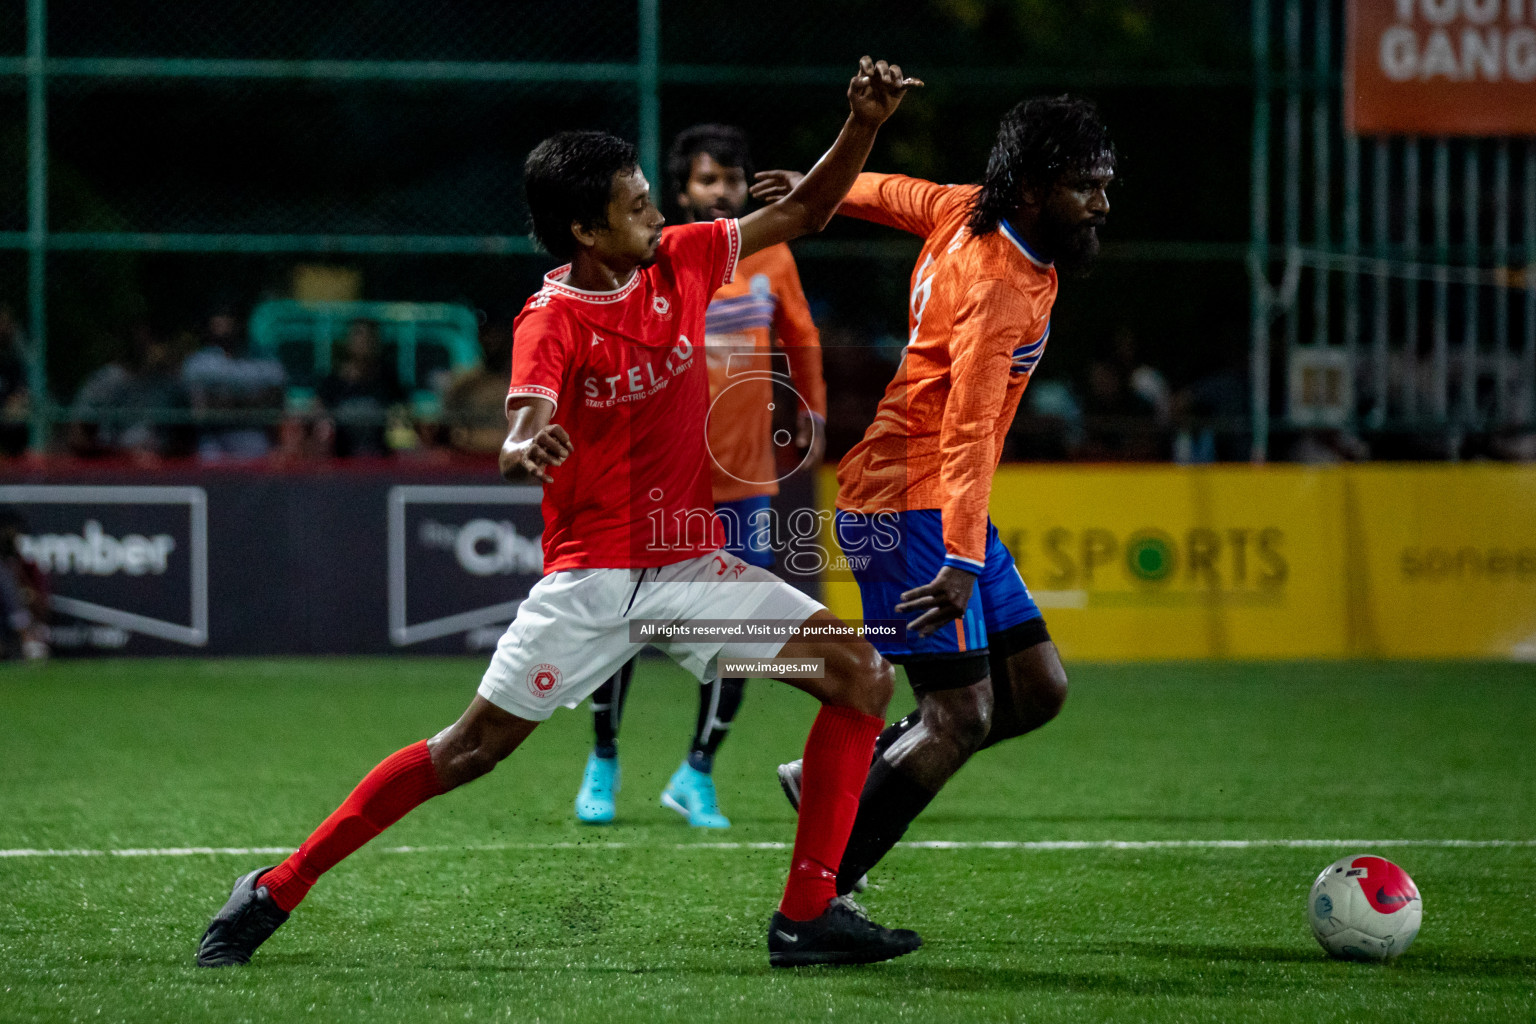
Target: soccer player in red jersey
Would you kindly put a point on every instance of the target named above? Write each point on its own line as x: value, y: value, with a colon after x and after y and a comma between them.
x: 755, y: 327
x: 606, y: 410
x: 977, y: 655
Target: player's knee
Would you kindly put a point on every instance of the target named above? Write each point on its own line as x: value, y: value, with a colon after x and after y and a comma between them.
x: 879, y: 683
x: 873, y: 682
x: 1038, y: 691
x: 458, y: 765
x: 968, y: 722
x: 473, y: 763
x: 1049, y: 690
x: 462, y: 755
x: 1058, y: 690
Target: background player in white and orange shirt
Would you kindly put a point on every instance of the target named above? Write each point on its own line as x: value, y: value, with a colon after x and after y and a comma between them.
x: 606, y: 410
x: 978, y: 654
x: 764, y: 308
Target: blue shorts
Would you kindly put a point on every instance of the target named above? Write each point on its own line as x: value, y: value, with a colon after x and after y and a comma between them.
x: 748, y: 529
x: 906, y: 550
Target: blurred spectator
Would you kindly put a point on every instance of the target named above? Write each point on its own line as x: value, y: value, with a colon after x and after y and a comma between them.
x: 474, y: 405
x: 1513, y: 437
x: 429, y: 432
x: 1128, y: 407
x: 1414, y: 387
x: 1048, y: 426
x: 1497, y: 427
x: 305, y: 432
x: 1146, y: 382
x: 220, y: 378
x: 14, y: 396
x: 359, y: 393
x: 23, y: 596
x: 1211, y: 416
x: 147, y: 380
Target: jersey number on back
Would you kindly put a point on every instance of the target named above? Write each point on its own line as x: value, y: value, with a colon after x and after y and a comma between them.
x: 921, y: 293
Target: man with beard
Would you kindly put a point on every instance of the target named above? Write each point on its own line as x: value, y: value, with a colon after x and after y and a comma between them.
x: 912, y: 495
x: 764, y: 307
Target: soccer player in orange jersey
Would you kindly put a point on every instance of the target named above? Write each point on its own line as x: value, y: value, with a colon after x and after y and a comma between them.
x: 913, y: 494
x: 709, y: 166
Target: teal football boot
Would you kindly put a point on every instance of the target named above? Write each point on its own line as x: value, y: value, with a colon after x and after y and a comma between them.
x: 599, y: 785
x: 691, y: 793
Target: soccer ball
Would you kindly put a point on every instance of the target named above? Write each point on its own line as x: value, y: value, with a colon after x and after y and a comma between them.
x: 1364, y: 908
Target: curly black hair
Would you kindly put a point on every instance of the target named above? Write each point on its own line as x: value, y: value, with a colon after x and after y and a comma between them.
x: 726, y: 143
x: 569, y: 178
x: 1039, y: 140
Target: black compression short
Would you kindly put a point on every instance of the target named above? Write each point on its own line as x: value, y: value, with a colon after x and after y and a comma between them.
x: 932, y: 673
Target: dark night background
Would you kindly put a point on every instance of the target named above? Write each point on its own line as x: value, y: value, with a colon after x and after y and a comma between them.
x: 275, y: 156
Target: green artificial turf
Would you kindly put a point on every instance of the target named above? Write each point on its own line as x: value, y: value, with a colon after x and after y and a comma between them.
x: 516, y: 912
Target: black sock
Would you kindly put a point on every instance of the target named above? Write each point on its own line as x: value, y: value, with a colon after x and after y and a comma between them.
x: 895, y: 731
x: 608, y: 710
x: 718, y: 703
x: 891, y: 799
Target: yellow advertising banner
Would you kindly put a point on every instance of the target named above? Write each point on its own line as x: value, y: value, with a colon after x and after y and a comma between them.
x: 1445, y: 560
x: 1158, y: 562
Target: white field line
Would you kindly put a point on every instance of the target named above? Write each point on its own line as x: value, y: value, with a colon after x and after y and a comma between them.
x: 1042, y: 845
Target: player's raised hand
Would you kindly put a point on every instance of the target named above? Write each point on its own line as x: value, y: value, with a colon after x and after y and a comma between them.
x: 941, y: 601
x: 877, y: 90
x: 771, y: 186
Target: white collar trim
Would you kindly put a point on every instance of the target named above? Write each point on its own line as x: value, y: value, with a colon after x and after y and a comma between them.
x: 1021, y: 245
x: 552, y: 281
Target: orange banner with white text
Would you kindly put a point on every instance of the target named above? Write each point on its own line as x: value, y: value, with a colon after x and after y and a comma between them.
x: 1441, y: 67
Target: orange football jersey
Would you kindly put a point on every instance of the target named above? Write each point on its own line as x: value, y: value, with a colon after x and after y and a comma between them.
x: 979, y: 317
x: 762, y: 304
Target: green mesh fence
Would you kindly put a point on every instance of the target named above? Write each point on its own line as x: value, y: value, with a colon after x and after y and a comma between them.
x: 194, y: 153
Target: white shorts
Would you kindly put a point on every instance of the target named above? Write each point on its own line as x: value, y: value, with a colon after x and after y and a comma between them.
x: 572, y: 632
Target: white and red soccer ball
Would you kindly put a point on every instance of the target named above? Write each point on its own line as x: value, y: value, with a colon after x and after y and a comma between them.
x: 1364, y: 908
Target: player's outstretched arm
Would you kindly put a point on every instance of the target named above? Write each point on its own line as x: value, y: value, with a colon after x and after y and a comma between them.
x: 895, y: 200
x: 533, y: 443
x: 873, y: 95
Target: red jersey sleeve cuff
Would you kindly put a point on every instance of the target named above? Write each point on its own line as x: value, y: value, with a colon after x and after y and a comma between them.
x: 534, y: 391
x: 733, y: 254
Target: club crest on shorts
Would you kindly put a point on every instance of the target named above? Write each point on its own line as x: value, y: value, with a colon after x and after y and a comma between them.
x: 543, y: 680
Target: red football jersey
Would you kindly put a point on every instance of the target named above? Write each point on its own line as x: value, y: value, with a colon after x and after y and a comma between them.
x: 626, y: 372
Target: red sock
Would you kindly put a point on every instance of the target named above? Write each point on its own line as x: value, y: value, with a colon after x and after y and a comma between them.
x: 398, y: 783
x: 837, y: 756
